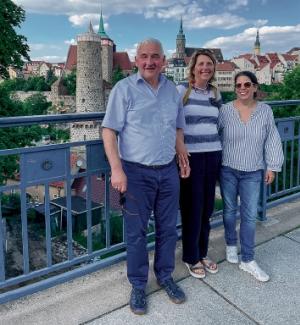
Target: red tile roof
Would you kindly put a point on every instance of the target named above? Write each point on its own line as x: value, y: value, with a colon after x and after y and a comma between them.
x: 294, y: 49
x: 71, y: 58
x: 289, y: 57
x: 122, y: 60
x: 273, y: 56
x: 248, y: 57
x: 274, y: 63
x: 262, y: 59
x: 225, y: 66
x: 97, y: 191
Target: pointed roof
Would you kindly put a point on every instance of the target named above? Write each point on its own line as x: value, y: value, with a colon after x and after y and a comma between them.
x: 91, y: 29
x: 101, y: 30
x: 71, y: 58
x: 180, y: 34
x: 180, y: 28
x: 257, y: 42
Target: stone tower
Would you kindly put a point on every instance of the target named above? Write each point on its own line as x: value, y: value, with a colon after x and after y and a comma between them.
x: 180, y: 42
x: 89, y: 85
x: 257, y: 44
x: 107, y: 52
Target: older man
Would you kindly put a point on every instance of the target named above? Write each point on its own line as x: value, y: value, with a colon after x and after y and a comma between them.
x: 143, y: 116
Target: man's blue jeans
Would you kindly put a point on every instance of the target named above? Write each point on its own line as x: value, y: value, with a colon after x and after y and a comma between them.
x: 247, y: 186
x: 157, y: 190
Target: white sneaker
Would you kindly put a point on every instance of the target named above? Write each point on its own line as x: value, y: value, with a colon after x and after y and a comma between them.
x: 255, y: 270
x: 231, y: 254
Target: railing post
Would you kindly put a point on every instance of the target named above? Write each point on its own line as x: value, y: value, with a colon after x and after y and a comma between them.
x: 262, y: 212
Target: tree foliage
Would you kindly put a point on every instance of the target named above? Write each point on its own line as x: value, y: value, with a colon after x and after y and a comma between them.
x: 117, y: 75
x: 289, y: 89
x: 227, y: 96
x: 69, y: 81
x: 34, y: 83
x: 13, y: 47
x: 18, y: 137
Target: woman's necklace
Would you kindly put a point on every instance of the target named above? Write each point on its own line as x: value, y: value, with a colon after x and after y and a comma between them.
x: 203, y: 90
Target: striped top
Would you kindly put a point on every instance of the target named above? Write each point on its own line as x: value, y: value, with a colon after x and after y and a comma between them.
x: 253, y: 145
x: 201, y: 115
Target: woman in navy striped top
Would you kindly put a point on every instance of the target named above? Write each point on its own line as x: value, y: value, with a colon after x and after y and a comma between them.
x: 197, y: 193
x: 251, y: 144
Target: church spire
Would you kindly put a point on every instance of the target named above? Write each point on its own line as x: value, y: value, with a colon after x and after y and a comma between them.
x: 101, y: 30
x: 257, y: 44
x: 180, y: 42
x: 180, y: 28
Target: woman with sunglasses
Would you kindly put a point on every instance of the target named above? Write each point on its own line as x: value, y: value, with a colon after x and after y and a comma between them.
x: 197, y: 193
x: 252, y: 150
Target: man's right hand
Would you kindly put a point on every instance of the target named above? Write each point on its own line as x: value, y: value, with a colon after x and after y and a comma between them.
x: 119, y: 180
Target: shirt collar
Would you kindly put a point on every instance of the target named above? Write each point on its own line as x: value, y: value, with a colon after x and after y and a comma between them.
x: 161, y: 78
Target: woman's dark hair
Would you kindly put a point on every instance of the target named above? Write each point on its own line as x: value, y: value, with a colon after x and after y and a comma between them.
x: 249, y: 75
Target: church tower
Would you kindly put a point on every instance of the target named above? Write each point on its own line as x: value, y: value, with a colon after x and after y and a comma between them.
x: 107, y: 52
x: 89, y: 85
x: 257, y: 44
x: 180, y: 43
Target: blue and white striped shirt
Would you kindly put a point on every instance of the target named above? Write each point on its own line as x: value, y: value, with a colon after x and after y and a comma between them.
x: 201, y: 116
x: 253, y: 145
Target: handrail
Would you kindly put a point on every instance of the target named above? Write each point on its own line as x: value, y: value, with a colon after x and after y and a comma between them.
x: 77, y: 117
x: 45, y: 119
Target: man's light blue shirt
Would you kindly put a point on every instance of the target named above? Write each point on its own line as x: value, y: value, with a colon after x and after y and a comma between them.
x: 146, y: 119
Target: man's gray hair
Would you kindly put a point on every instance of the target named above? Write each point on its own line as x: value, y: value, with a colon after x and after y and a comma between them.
x: 150, y: 41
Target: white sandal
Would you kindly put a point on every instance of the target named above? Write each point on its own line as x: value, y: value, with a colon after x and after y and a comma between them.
x: 193, y: 270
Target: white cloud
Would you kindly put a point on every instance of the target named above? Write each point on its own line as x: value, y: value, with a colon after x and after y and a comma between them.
x: 272, y: 38
x: 80, y: 12
x: 260, y: 22
x: 83, y: 20
x: 224, y: 21
x: 193, y: 17
x: 49, y: 58
x: 235, y: 4
x: 70, y: 42
x: 43, y: 46
x: 169, y: 53
x: 131, y: 51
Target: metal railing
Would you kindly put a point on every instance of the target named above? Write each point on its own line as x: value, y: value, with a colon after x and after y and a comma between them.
x: 73, y: 225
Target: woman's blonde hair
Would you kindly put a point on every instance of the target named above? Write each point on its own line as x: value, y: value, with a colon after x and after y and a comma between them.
x: 193, y: 61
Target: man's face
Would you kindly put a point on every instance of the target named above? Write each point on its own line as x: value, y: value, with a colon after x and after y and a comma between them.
x: 150, y: 61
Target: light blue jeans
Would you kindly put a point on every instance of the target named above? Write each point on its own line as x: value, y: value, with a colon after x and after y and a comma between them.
x: 247, y: 186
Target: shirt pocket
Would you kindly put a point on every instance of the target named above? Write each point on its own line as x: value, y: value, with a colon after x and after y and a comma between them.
x: 169, y: 112
x: 141, y: 111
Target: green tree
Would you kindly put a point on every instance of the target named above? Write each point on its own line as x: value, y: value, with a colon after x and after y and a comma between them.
x: 13, y: 47
x: 117, y: 75
x: 289, y: 89
x: 14, y: 84
x: 22, y: 136
x: 69, y: 81
x: 50, y: 78
x: 36, y: 105
x: 36, y: 83
x: 227, y: 96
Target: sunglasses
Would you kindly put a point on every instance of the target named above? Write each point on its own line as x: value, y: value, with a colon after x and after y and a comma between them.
x: 247, y: 85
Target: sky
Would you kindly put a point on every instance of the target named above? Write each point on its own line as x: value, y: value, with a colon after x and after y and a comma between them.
x: 52, y: 25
